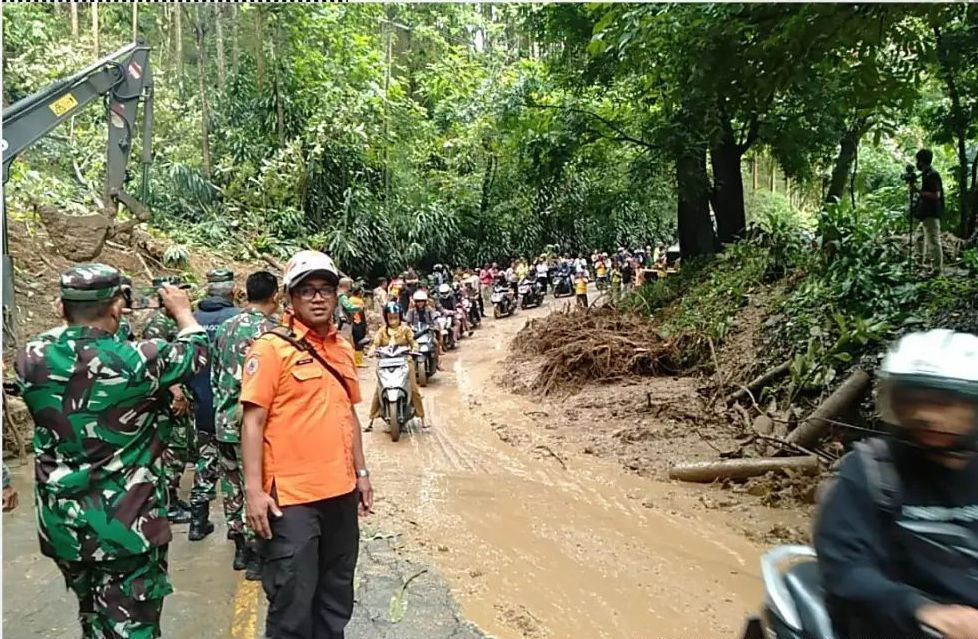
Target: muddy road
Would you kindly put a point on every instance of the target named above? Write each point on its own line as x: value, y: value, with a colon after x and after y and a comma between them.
x: 487, y: 521
x: 538, y: 543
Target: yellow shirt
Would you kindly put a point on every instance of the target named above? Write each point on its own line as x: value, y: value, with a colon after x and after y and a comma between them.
x: 600, y: 269
x: 401, y: 336
x: 580, y: 286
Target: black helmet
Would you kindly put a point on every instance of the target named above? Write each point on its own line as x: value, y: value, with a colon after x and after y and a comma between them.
x: 392, y: 308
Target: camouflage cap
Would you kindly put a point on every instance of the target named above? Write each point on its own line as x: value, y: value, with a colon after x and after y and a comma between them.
x: 220, y: 275
x: 90, y: 283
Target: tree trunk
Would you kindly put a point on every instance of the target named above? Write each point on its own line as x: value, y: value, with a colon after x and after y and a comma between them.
x: 279, y: 101
x: 260, y: 46
x: 773, y: 176
x: 74, y: 20
x: 696, y: 235
x: 844, y: 161
x: 848, y: 394
x: 960, y: 129
x: 205, y: 146
x: 178, y: 42
x: 728, y: 188
x: 95, y: 28
x: 753, y: 172
x: 135, y: 21
x: 235, y: 51
x: 219, y: 36
x: 974, y: 194
x: 706, y: 472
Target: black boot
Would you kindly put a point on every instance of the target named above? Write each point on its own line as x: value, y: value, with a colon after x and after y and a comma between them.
x: 200, y: 524
x: 253, y: 569
x: 178, y: 513
x: 241, y: 552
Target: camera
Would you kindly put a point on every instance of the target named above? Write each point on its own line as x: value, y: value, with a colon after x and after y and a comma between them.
x: 909, y: 174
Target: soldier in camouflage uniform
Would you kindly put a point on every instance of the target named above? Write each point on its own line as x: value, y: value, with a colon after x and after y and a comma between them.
x: 180, y: 444
x: 231, y: 343
x: 99, y: 406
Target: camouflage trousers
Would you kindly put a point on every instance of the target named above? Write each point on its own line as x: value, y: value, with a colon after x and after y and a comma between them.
x: 121, y: 598
x: 179, y: 451
x: 232, y: 485
x: 207, y: 470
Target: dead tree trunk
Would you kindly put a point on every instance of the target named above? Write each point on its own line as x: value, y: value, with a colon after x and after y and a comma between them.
x: 760, y: 381
x: 706, y: 472
x: 135, y: 21
x: 845, y: 396
x: 74, y: 20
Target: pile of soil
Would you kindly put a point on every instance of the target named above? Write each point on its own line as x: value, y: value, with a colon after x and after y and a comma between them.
x: 581, y: 346
x: 38, y: 265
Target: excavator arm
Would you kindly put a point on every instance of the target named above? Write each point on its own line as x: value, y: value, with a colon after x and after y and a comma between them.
x: 121, y: 80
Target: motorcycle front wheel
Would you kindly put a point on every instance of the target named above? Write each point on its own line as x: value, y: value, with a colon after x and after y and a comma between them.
x: 422, y: 368
x: 496, y: 312
x: 394, y: 421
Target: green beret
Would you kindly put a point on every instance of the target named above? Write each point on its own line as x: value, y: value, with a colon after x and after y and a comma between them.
x: 90, y: 283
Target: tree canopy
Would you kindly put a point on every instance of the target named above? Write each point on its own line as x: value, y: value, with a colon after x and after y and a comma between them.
x: 396, y: 134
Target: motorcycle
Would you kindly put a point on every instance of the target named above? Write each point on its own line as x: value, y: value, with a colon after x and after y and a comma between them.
x: 448, y: 324
x: 394, y: 388
x: 562, y: 284
x: 531, y: 293
x: 471, y: 308
x: 426, y: 362
x: 502, y: 301
x: 794, y: 600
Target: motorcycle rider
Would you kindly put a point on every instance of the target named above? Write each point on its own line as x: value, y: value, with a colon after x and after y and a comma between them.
x: 897, y: 534
x: 439, y: 276
x: 450, y: 302
x: 421, y: 313
x: 396, y: 333
x: 543, y: 272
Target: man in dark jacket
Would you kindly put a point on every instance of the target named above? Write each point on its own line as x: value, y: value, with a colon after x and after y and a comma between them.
x: 211, y: 312
x: 897, y: 534
x: 930, y: 207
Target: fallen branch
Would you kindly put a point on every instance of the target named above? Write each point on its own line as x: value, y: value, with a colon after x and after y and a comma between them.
x: 847, y: 394
x: 760, y: 381
x: 706, y: 472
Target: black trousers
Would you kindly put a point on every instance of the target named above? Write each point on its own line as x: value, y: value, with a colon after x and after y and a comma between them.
x: 307, y: 569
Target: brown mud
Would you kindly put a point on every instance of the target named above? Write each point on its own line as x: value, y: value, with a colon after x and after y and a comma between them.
x: 551, y: 518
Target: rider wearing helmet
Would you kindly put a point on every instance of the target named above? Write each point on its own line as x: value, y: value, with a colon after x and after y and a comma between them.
x: 422, y: 313
x: 897, y: 534
x: 395, y: 332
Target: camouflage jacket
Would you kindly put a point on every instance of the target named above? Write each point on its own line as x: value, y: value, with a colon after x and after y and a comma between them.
x: 125, y: 332
x: 97, y: 404
x: 231, y: 343
x: 160, y: 326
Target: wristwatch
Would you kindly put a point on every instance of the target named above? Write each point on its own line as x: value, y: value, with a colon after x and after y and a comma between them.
x: 363, y: 472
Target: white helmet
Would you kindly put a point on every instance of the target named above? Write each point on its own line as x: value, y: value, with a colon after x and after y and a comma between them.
x: 420, y: 296
x: 306, y: 263
x: 444, y: 289
x: 938, y: 360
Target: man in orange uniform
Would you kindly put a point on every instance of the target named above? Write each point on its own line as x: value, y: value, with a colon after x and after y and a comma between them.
x: 303, y: 458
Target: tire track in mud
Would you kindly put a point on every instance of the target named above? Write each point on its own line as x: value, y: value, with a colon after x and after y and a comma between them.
x: 540, y: 550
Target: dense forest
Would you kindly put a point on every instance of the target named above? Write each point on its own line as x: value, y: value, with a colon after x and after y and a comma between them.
x: 400, y: 133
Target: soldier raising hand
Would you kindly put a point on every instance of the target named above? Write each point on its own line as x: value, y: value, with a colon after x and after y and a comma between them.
x: 97, y: 402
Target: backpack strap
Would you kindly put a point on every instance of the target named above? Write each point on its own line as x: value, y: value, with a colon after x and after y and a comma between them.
x: 881, y: 473
x: 286, y: 333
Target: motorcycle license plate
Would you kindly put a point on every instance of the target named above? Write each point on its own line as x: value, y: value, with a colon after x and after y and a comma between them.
x: 497, y: 297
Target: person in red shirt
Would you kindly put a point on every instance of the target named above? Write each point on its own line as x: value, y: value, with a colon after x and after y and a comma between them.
x: 304, y: 468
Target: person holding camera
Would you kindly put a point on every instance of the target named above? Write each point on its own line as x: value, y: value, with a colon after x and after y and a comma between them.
x: 929, y: 207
